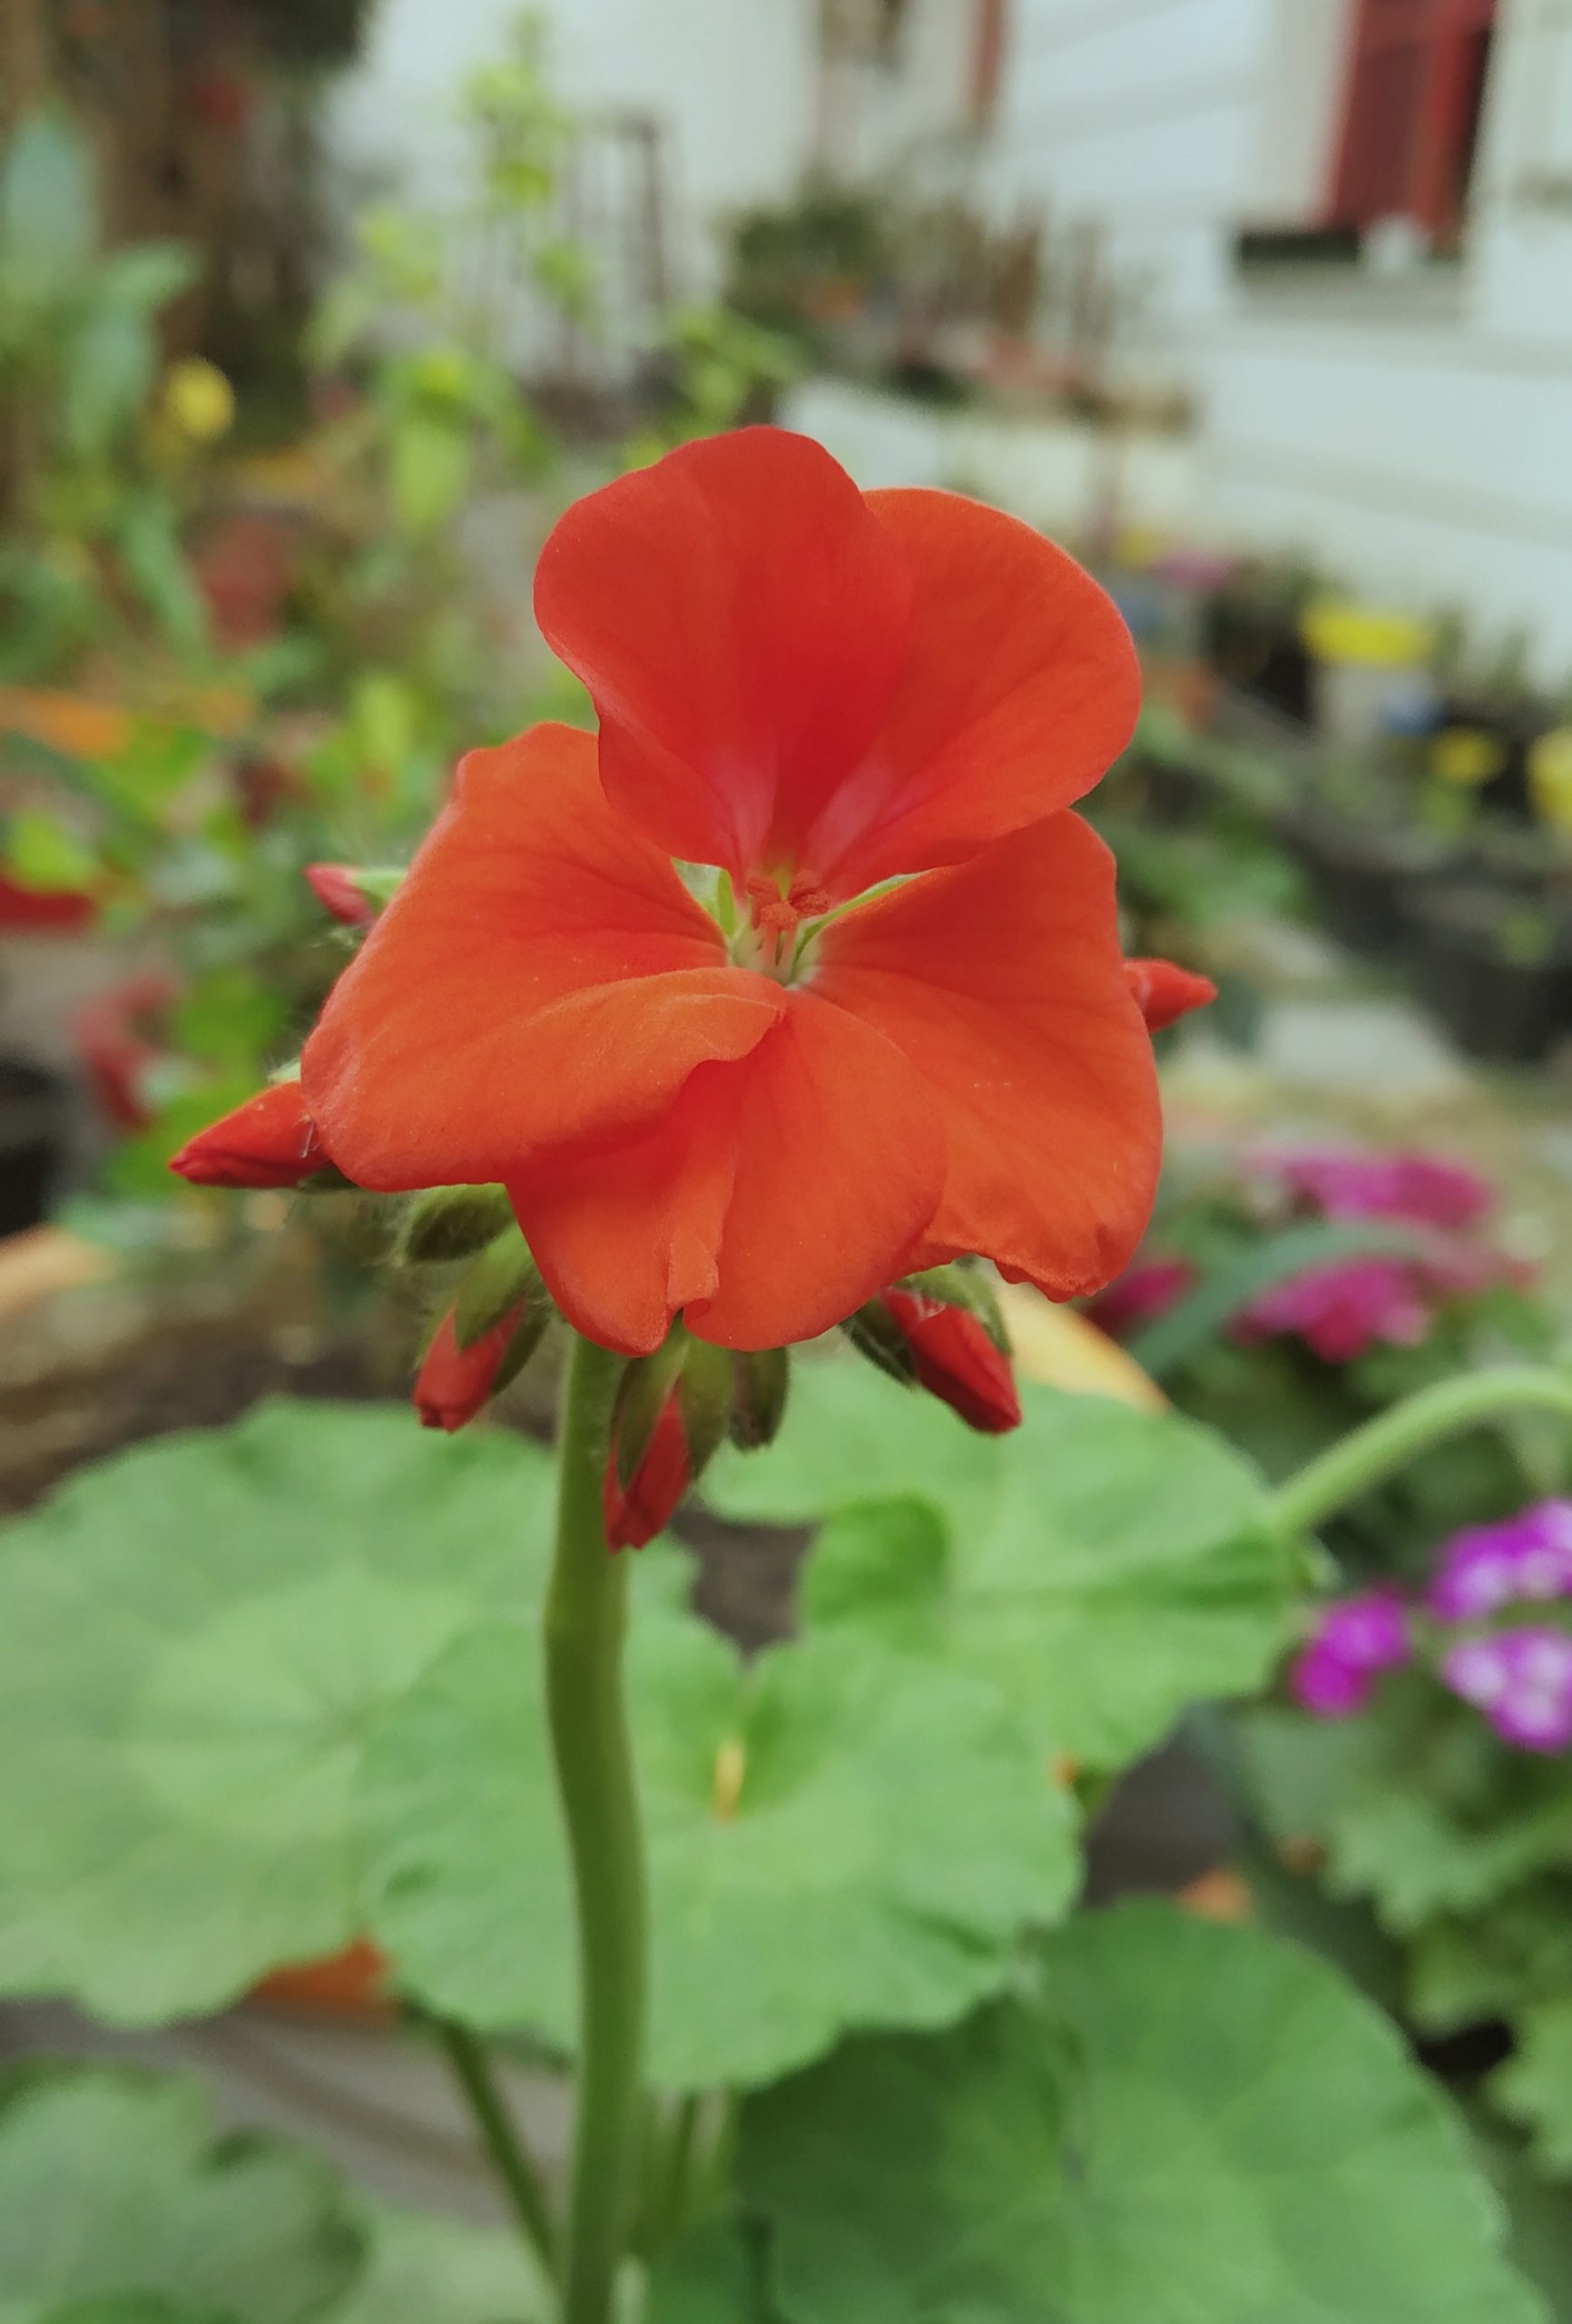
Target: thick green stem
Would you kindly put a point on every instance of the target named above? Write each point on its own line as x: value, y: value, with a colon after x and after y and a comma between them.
x: 510, y: 2159
x: 1398, y: 1435
x: 586, y: 1617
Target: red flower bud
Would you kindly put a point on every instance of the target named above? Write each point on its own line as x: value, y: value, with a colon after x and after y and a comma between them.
x: 634, y: 1512
x: 269, y: 1141
x: 455, y: 1382
x: 954, y: 1358
x: 1164, y: 992
x: 334, y: 887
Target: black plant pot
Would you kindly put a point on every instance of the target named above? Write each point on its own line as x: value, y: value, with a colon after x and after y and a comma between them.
x: 1502, y: 1010
x: 35, y: 1127
x: 1365, y: 876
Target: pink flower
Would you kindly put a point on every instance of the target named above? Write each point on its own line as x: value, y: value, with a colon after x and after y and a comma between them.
x: 1522, y: 1560
x: 1351, y: 1182
x: 1142, y: 1292
x: 1521, y: 1680
x: 1340, y: 1310
x: 1354, y: 1642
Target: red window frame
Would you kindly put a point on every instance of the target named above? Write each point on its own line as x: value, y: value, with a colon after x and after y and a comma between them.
x: 1411, y: 112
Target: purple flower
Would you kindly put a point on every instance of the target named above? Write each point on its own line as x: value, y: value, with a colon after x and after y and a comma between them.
x: 1521, y: 1680
x: 1524, y: 1558
x: 1354, y: 1642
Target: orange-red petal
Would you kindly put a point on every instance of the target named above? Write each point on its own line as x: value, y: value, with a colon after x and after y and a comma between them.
x: 780, y: 1194
x: 1019, y: 690
x: 738, y: 617
x: 1002, y: 981
x: 541, y: 976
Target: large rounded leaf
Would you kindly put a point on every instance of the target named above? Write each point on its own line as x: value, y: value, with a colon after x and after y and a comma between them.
x: 1118, y: 1566
x: 194, y: 1639
x: 837, y: 1837
x: 851, y: 1433
x: 112, y: 2189
x: 1185, y: 2124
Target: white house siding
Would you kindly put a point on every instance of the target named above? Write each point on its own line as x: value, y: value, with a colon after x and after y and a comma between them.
x: 732, y: 84
x: 1416, y: 435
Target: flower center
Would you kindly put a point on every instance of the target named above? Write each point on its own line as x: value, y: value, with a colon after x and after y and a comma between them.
x: 777, y: 924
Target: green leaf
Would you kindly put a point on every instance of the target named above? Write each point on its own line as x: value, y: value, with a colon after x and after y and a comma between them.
x: 1535, y: 2086
x: 711, y: 2277
x: 837, y: 1837
x: 1402, y: 1848
x: 146, y: 276
x: 429, y: 471
x: 1183, y: 2124
x: 48, y: 217
x: 851, y: 1434
x: 196, y: 1638
x: 111, y: 363
x: 1519, y: 1949
x: 421, y: 2269
x: 1120, y: 1566
x: 113, y: 2188
x: 47, y: 856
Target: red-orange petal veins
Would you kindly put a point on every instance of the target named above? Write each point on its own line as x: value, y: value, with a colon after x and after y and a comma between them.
x: 1164, y: 992
x: 955, y: 1360
x: 777, y: 1194
x: 1002, y: 982
x: 738, y: 615
x: 454, y: 1383
x: 541, y: 979
x: 269, y: 1141
x: 791, y: 674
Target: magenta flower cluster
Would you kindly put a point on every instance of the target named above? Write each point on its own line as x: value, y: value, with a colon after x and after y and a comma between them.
x: 1518, y: 1676
x: 1344, y: 1308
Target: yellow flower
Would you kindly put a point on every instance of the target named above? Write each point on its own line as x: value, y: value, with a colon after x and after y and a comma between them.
x: 198, y: 400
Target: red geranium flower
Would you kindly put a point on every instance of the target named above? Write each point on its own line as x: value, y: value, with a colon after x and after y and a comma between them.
x: 757, y: 1115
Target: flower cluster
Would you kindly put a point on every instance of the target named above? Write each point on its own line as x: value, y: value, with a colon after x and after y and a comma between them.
x: 1517, y: 1676
x: 1341, y: 1308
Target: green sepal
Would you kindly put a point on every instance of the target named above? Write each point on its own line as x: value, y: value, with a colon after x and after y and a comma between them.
x: 761, y: 1380
x: 452, y: 1223
x: 705, y: 1395
x: 379, y: 883
x: 504, y: 1276
x: 646, y: 1385
x: 874, y: 1333
x: 963, y: 1283
x: 529, y: 1336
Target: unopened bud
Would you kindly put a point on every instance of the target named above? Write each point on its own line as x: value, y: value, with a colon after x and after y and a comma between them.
x: 761, y: 1379
x: 671, y: 1411
x: 269, y: 1141
x: 942, y: 1331
x: 452, y: 1223
x: 454, y: 1383
x: 1164, y: 992
x: 353, y: 892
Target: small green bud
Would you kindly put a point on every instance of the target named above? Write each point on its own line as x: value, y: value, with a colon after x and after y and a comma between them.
x: 874, y: 1333
x: 503, y: 1277
x: 761, y: 1379
x: 452, y: 1223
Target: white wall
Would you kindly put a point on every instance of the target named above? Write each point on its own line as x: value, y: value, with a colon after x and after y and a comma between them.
x: 1419, y: 436
x: 733, y: 81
